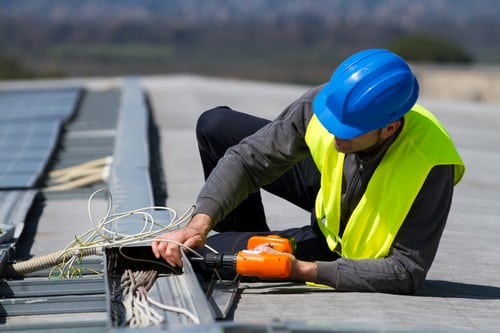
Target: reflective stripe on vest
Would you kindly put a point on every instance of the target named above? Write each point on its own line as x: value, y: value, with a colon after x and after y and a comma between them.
x: 422, y: 144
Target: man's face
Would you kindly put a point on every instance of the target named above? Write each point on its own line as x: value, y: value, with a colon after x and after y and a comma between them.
x: 363, y: 143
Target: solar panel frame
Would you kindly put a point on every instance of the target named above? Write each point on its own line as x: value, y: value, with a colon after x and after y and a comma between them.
x: 30, y: 126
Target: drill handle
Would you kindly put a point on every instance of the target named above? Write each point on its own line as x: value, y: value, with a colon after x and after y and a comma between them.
x: 263, y: 264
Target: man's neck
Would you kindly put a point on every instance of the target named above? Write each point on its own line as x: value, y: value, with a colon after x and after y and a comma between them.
x: 381, y: 146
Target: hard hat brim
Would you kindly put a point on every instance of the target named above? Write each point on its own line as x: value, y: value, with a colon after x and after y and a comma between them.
x: 329, y: 121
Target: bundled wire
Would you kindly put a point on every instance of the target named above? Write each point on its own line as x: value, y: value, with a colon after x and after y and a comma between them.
x: 136, y: 300
x: 135, y: 287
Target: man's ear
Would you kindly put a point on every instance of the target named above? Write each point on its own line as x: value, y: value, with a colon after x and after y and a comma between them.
x: 390, y: 129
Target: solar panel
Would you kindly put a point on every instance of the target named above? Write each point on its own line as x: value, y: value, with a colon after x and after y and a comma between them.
x: 45, y: 103
x: 30, y: 122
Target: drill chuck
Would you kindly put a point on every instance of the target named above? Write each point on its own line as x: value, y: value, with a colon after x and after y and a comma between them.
x: 220, y: 260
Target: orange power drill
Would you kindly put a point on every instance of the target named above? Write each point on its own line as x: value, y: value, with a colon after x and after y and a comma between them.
x: 255, y: 263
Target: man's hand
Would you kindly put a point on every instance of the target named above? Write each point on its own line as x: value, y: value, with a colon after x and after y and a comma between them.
x: 300, y: 271
x: 194, y: 236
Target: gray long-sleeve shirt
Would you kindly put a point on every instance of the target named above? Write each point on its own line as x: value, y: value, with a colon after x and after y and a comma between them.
x: 264, y: 156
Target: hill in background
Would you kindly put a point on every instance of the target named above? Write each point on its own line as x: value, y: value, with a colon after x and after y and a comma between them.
x: 295, y: 41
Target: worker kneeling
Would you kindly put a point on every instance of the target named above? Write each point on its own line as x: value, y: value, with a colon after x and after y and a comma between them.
x: 375, y: 169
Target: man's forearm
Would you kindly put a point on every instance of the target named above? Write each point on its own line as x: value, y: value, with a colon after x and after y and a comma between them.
x: 377, y: 275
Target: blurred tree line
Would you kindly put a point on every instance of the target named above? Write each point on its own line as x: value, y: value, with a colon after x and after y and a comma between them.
x: 422, y: 48
x: 12, y: 68
x: 299, y: 51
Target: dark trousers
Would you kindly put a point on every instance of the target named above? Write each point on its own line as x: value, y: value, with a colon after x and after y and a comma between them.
x: 220, y: 128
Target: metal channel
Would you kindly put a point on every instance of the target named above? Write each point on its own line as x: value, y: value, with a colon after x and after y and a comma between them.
x: 70, y: 325
x: 50, y: 304
x: 178, y: 287
x: 130, y: 185
x: 43, y: 287
x: 129, y: 180
x: 39, y: 303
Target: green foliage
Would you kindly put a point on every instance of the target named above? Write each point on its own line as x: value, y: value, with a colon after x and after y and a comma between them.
x: 112, y: 51
x: 421, y: 48
x: 11, y: 68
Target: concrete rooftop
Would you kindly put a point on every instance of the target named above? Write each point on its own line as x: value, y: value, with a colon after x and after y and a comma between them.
x: 463, y: 286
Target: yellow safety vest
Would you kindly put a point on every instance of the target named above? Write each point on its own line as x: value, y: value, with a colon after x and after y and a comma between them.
x: 422, y: 144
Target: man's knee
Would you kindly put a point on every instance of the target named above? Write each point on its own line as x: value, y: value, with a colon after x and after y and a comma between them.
x: 211, y: 121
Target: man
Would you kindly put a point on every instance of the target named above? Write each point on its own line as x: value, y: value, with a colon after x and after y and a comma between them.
x: 375, y: 170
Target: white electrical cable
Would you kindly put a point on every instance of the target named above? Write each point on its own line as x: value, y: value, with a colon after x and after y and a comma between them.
x: 189, y: 314
x: 101, y: 235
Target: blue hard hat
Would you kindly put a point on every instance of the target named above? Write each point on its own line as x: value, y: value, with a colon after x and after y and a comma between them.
x: 367, y: 91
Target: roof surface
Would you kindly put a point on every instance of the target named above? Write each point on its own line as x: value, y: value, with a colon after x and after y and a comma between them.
x: 463, y: 286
